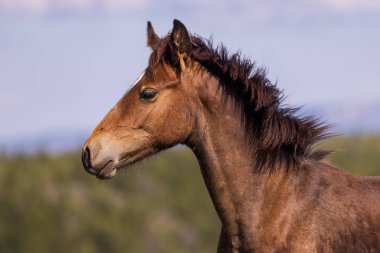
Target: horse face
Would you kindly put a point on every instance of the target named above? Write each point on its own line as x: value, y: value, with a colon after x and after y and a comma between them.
x: 154, y: 115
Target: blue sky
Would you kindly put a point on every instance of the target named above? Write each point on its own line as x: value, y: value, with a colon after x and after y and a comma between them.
x: 63, y: 64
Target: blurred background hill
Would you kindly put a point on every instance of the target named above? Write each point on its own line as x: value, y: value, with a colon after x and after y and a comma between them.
x: 63, y: 64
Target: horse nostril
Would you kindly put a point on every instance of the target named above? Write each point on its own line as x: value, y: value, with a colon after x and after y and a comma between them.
x: 86, y: 158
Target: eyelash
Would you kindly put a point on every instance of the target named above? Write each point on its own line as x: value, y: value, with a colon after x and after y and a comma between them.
x: 148, y: 94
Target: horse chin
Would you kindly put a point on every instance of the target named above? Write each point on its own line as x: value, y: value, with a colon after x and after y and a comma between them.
x: 107, y: 172
x: 133, y: 157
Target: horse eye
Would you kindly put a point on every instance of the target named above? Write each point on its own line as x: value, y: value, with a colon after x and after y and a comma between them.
x: 148, y: 94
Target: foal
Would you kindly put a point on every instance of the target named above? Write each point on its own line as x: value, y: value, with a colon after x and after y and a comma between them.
x: 270, y: 189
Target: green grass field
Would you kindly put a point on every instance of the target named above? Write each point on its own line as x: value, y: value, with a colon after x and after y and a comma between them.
x: 50, y: 204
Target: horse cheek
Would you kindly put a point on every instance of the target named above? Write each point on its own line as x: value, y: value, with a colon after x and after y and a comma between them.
x: 174, y: 128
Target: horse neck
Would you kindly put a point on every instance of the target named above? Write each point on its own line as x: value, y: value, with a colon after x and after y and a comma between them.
x: 226, y: 159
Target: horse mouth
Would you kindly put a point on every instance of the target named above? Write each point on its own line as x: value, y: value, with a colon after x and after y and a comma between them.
x: 109, y: 169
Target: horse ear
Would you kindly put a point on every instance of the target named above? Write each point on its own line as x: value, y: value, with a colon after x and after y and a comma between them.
x: 180, y: 37
x: 152, y: 36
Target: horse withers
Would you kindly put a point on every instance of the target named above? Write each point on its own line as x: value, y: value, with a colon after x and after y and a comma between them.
x: 269, y: 186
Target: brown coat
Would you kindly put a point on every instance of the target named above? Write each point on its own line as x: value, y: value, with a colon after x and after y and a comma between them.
x: 271, y: 192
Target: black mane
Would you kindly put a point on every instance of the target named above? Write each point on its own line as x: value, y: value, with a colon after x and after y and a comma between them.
x: 281, y: 136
